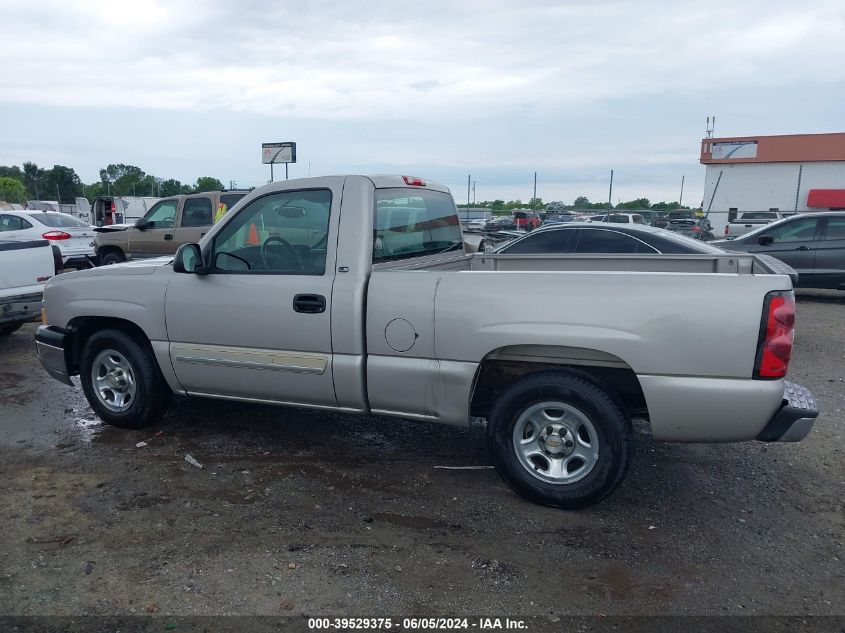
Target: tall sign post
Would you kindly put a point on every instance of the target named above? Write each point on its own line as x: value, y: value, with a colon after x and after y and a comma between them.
x: 272, y: 153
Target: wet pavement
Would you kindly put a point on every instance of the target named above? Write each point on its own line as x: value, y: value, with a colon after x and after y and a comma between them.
x: 310, y: 512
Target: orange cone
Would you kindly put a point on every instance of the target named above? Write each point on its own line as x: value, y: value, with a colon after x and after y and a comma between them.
x: 253, y: 235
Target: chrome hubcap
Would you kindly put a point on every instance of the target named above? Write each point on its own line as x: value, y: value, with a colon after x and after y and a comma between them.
x: 556, y: 442
x: 113, y: 380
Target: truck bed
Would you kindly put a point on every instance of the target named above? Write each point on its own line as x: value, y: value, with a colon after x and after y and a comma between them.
x: 687, y: 326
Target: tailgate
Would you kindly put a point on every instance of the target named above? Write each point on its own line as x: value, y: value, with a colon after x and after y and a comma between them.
x: 25, y: 266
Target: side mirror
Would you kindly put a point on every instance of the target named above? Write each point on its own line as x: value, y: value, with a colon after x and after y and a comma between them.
x: 188, y: 259
x: 765, y: 240
x: 141, y: 223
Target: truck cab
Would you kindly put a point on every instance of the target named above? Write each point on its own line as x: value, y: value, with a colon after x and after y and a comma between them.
x: 168, y: 223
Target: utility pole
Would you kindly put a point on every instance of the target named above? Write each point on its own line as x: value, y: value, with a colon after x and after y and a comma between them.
x: 58, y: 197
x: 133, y: 189
x: 681, y: 198
x: 534, y: 199
x: 469, y: 184
x: 610, y: 194
x: 473, y: 193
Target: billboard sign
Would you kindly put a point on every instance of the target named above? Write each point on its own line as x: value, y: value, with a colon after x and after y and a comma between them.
x: 278, y: 153
x: 734, y: 149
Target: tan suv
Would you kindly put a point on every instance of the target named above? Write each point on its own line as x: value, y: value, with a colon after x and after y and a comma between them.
x: 169, y: 223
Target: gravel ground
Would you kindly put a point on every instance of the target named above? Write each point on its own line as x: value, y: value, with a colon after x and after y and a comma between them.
x: 310, y: 512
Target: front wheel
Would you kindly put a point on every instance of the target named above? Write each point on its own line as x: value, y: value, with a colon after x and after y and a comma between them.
x: 559, y: 439
x: 112, y: 257
x: 122, y: 381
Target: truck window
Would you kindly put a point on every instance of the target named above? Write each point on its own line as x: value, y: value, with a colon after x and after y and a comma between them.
x: 760, y: 215
x: 197, y: 212
x: 162, y: 214
x: 414, y: 222
x: 282, y: 233
x: 229, y: 199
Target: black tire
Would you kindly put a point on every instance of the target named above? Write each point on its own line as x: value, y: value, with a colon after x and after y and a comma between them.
x: 111, y: 257
x: 580, y: 392
x: 152, y: 395
x: 5, y: 330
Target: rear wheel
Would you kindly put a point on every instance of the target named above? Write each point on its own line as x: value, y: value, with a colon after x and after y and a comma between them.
x: 5, y: 330
x: 112, y: 257
x: 559, y: 439
x: 122, y: 381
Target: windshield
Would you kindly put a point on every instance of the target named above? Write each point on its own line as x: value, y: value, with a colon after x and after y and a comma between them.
x: 414, y: 222
x: 57, y: 220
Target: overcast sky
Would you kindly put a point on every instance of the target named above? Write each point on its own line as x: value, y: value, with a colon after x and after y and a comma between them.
x: 497, y: 89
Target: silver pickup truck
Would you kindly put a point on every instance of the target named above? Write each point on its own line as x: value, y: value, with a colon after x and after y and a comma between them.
x: 355, y: 294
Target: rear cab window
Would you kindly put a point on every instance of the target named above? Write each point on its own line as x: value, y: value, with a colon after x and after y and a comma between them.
x: 197, y: 212
x: 411, y: 222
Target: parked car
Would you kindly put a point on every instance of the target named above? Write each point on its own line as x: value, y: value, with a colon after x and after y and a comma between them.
x: 687, y: 223
x: 811, y: 243
x: 750, y: 220
x: 73, y: 237
x: 476, y: 225
x: 558, y: 218
x: 25, y: 266
x: 292, y: 299
x: 169, y: 223
x: 657, y: 219
x: 619, y: 218
x: 501, y: 223
x: 526, y: 220
x: 605, y: 238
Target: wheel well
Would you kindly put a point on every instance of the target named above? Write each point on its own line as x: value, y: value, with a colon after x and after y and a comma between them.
x: 499, y: 369
x: 82, y: 328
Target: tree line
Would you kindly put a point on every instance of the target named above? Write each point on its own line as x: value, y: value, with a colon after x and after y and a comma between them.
x: 581, y: 203
x: 62, y: 183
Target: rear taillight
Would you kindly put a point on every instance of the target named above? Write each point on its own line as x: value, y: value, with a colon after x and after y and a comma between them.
x: 726, y: 229
x: 696, y: 229
x: 777, y: 330
x: 413, y: 181
x: 56, y: 235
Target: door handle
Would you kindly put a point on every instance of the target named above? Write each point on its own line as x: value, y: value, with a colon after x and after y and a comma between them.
x: 803, y: 248
x: 168, y: 236
x: 309, y: 304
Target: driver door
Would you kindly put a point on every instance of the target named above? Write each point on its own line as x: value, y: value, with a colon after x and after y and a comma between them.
x: 258, y: 327
x: 157, y: 238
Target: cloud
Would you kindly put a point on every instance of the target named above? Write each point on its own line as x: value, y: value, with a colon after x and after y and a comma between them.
x: 402, y: 60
